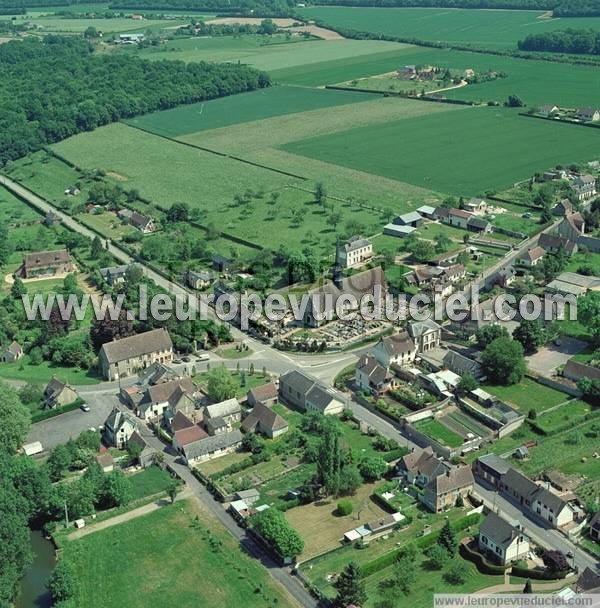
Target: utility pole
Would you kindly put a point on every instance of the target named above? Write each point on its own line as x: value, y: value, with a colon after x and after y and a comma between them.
x: 66, y: 515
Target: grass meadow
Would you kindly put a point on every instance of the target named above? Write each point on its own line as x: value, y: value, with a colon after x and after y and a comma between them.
x: 490, y: 29
x: 475, y: 150
x: 165, y: 558
x: 243, y: 108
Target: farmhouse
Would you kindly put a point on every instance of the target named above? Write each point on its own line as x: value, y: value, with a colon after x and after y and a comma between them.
x: 115, y: 275
x: 502, y: 541
x: 413, y: 219
x: 535, y: 500
x: 211, y: 447
x: 548, y: 110
x: 45, y: 264
x: 266, y: 394
x: 118, y: 428
x: 265, y: 421
x: 427, y: 334
x: 354, y: 252
x: 143, y: 223
x: 13, y: 352
x: 475, y: 205
x: 216, y: 426
x: 588, y: 114
x: 584, y: 187
x: 458, y: 218
x: 478, y: 224
x: 532, y: 257
x: 197, y: 280
x: 371, y: 375
x: 443, y: 491
x: 398, y: 349
x: 58, y: 393
x: 125, y: 357
x: 572, y: 226
x: 300, y: 390
x: 562, y: 208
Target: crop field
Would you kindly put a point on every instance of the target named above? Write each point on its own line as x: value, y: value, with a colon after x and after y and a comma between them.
x: 246, y: 107
x: 268, y: 53
x: 488, y: 29
x: 178, y: 547
x: 72, y: 26
x: 475, y: 150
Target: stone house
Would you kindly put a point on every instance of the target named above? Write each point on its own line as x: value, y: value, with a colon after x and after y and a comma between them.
x: 427, y: 334
x: 354, y: 252
x: 13, y: 352
x: 58, y: 394
x: 45, y: 264
x: 501, y: 541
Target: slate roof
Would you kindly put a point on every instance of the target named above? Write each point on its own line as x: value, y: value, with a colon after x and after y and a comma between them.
x: 419, y: 328
x: 265, y: 418
x: 527, y: 488
x: 116, y: 419
x: 297, y: 381
x: 495, y: 463
x: 319, y: 397
x: 170, y: 391
x: 229, y: 407
x: 54, y: 387
x: 211, y: 444
x: 264, y: 392
x: 455, y: 478
x: 588, y: 582
x: 138, y: 345
x: 138, y: 220
x: 397, y: 344
x: 181, y: 421
x: 478, y: 222
x: 498, y: 530
x: 214, y: 424
x: 356, y: 242
x: 376, y: 373
x: 15, y: 348
x: 577, y: 370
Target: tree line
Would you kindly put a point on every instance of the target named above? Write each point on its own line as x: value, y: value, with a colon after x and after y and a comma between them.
x: 57, y: 87
x: 586, y: 42
x: 256, y: 8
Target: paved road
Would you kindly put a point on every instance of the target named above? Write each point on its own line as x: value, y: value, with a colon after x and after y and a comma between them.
x: 280, y: 574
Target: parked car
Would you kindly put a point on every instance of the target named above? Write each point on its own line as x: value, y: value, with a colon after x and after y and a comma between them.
x: 84, y: 407
x: 203, y: 357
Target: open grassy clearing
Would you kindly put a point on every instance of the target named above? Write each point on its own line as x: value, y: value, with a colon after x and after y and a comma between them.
x: 243, y: 108
x: 482, y: 28
x: 267, y: 53
x: 176, y: 553
x: 202, y: 179
x: 476, y: 150
x: 436, y: 430
x: 13, y: 212
x: 43, y: 373
x: 57, y: 25
x: 148, y: 482
x: 322, y: 528
x: 528, y: 395
x: 568, y: 414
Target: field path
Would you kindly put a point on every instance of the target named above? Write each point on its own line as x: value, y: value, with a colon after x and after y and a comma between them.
x: 133, y: 514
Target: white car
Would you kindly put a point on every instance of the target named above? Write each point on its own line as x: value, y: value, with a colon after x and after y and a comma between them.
x: 84, y: 407
x: 203, y: 357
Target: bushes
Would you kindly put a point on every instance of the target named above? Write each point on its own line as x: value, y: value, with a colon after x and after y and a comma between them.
x: 344, y: 507
x: 542, y: 575
x: 481, y: 563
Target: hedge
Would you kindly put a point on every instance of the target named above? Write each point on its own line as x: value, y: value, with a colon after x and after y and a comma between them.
x: 543, y: 575
x: 395, y: 454
x: 424, y: 542
x: 482, y: 564
x: 45, y: 414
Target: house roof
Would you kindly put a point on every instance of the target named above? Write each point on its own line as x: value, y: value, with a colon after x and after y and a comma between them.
x: 114, y: 271
x: 138, y: 345
x: 495, y: 463
x: 575, y: 220
x: 319, y: 397
x: 265, y: 418
x: 155, y: 373
x: 213, y: 424
x: 180, y: 421
x: 54, y: 387
x: 588, y: 582
x: 189, y: 435
x: 534, y: 253
x: 455, y: 478
x: 298, y: 381
x: 15, y: 348
x: 554, y: 241
x: 459, y: 364
x: 498, y: 530
x: 356, y: 242
x: 408, y: 218
x: 397, y: 344
x: 43, y: 259
x: 419, y: 328
x: 210, y: 444
x: 369, y: 366
x: 229, y: 407
x: 116, y: 419
x: 525, y: 487
x: 264, y: 392
x: 138, y: 220
x: 170, y: 391
x: 460, y: 213
x: 478, y: 222
x: 357, y: 285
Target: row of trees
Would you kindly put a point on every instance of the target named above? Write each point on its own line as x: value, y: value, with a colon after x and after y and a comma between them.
x: 102, y: 89
x: 585, y: 42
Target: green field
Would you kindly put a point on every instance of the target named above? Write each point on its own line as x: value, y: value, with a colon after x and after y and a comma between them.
x: 55, y: 24
x: 488, y: 29
x: 267, y: 54
x: 165, y: 559
x: 566, y: 415
x: 475, y: 150
x: 149, y: 482
x: 527, y: 395
x: 436, y: 430
x: 246, y: 107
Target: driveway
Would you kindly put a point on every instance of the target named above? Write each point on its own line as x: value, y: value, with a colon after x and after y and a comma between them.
x: 548, y: 358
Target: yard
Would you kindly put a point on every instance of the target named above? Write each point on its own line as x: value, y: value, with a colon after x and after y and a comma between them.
x: 528, y: 395
x: 567, y: 415
x: 177, y: 548
x: 436, y: 430
x: 322, y: 528
x: 148, y: 482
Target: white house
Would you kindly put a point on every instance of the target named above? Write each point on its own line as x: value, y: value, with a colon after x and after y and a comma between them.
x: 502, y: 541
x: 398, y: 349
x: 354, y: 252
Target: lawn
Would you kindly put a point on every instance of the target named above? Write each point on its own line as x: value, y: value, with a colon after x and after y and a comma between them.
x: 496, y: 147
x: 242, y: 108
x: 148, y: 482
x: 436, y: 430
x: 106, y: 223
x: 565, y: 416
x: 528, y: 395
x: 178, y: 548
x: 14, y: 212
x: 323, y: 529
x: 588, y: 260
x: 43, y: 373
x: 268, y: 53
x: 481, y: 28
x: 216, y: 465
x: 244, y: 383
x: 200, y: 178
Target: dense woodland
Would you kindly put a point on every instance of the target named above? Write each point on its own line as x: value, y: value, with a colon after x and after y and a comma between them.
x: 586, y: 42
x: 56, y: 87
